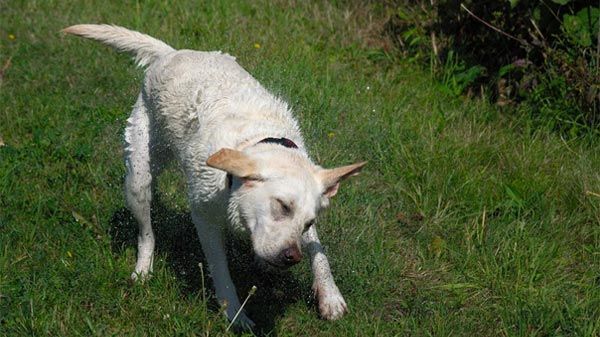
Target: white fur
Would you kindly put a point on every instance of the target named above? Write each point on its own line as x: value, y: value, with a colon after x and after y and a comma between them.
x: 193, y: 104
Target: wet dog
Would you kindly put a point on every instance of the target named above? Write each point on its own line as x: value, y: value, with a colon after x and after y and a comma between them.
x: 242, y: 154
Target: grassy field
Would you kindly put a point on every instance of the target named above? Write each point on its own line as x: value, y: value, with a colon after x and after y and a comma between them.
x: 466, y: 222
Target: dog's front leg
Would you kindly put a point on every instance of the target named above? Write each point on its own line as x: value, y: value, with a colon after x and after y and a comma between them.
x: 331, y: 302
x: 214, y: 251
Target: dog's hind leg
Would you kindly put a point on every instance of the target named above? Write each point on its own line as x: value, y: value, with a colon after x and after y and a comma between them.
x: 331, y: 302
x: 138, y: 181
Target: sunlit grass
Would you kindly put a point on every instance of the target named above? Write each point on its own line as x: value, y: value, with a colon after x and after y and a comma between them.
x: 465, y: 221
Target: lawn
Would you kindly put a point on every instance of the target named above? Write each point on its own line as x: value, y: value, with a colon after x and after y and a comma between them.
x: 467, y: 221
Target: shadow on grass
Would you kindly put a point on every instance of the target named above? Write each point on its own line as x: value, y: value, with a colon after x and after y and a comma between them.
x: 177, y: 241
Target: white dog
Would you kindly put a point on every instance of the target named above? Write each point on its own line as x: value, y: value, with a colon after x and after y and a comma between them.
x: 242, y: 154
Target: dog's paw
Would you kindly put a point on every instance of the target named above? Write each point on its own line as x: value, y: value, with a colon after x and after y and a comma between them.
x: 331, y: 302
x: 140, y: 276
x: 143, y: 267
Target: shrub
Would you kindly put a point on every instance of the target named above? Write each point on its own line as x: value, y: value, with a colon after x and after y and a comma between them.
x: 544, y: 54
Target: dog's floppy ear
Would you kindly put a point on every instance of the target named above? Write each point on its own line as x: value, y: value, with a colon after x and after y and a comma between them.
x: 331, y: 177
x: 234, y: 162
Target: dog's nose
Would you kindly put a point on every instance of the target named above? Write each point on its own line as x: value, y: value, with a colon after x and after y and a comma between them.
x: 291, y: 256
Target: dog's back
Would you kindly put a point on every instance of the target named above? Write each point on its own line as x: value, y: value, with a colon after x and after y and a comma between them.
x: 200, y: 97
x: 212, y: 93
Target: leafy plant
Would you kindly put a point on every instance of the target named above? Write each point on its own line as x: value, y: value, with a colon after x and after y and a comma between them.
x: 457, y: 76
x: 542, y: 55
x: 580, y: 28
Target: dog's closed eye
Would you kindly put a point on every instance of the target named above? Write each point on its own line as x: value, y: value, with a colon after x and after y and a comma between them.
x: 308, y: 225
x: 281, y: 209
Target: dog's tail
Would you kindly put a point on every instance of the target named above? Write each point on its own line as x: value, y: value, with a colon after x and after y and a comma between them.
x: 145, y: 49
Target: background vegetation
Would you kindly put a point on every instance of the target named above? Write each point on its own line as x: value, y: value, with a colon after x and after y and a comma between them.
x: 470, y: 219
x: 543, y: 55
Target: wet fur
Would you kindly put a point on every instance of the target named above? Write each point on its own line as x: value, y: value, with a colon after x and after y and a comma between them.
x: 208, y: 113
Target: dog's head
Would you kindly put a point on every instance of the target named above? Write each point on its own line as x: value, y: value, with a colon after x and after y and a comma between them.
x: 277, y: 194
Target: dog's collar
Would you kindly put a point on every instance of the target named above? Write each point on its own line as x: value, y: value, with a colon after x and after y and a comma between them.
x: 281, y: 141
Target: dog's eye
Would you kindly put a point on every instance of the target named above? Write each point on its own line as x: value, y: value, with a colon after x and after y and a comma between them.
x: 285, y: 207
x: 309, y: 224
x: 280, y: 209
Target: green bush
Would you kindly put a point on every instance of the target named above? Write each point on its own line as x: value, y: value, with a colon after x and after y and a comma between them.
x: 542, y: 55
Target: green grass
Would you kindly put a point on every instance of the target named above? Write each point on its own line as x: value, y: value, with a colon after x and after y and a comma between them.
x: 466, y: 222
